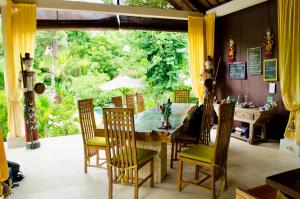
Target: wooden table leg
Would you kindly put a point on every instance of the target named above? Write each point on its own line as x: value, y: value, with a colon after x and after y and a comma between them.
x: 160, y: 160
x: 251, y: 133
x: 263, y: 131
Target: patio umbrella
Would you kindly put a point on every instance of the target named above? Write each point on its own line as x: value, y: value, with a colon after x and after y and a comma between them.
x: 188, y: 82
x: 121, y: 81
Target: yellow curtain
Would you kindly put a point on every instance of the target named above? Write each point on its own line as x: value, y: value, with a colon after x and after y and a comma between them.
x: 289, y: 63
x: 196, y: 53
x: 201, y: 37
x: 210, y: 34
x: 19, y: 37
x: 3, y: 163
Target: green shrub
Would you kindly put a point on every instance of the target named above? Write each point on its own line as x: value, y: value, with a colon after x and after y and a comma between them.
x: 63, y: 119
x: 3, y: 114
x: 84, y: 87
x: 43, y: 111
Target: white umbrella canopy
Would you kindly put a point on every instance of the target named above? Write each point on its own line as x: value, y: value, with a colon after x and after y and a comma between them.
x: 121, y: 81
x: 188, y: 82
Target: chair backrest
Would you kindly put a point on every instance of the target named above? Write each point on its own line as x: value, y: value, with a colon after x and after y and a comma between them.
x: 140, y: 102
x: 207, y: 120
x: 87, y: 119
x: 120, y: 139
x: 130, y: 101
x: 117, y: 101
x: 225, y: 121
x: 181, y: 96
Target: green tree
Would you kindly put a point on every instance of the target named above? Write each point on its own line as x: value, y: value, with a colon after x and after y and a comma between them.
x: 63, y: 120
x: 165, y: 53
x: 43, y: 111
x: 51, y: 44
x: 1, y: 75
x: 3, y: 114
x: 84, y: 87
x: 149, y: 3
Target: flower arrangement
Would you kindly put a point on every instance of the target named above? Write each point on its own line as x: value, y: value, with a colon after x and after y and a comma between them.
x: 166, y: 112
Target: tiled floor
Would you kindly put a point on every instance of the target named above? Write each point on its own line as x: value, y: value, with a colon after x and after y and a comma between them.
x: 56, y: 171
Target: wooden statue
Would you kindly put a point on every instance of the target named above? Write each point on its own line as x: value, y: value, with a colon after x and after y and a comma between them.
x: 231, y: 50
x: 26, y: 82
x: 268, y: 44
x: 209, y: 68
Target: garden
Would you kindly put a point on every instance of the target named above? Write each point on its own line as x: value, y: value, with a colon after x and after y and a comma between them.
x: 74, y: 64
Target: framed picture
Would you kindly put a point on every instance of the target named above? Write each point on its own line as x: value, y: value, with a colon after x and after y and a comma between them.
x: 237, y: 70
x: 270, y: 70
x: 254, y: 61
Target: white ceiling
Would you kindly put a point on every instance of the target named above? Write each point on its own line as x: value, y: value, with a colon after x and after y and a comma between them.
x: 233, y: 6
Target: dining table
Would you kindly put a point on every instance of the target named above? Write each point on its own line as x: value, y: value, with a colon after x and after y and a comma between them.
x: 287, y: 182
x: 150, y: 135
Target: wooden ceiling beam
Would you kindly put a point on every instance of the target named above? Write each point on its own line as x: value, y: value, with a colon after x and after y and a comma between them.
x: 175, y: 5
x: 183, y: 5
x: 211, y: 5
x: 116, y: 9
x: 198, y: 6
x: 233, y: 6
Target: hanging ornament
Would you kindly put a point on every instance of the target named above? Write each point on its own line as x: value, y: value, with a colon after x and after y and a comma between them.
x: 268, y: 44
x: 231, y: 50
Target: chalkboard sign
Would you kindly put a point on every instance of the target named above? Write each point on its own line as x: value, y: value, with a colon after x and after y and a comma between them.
x: 254, y: 61
x: 237, y: 70
x: 270, y: 70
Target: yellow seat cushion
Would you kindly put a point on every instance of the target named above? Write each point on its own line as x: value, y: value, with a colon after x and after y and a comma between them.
x: 143, y: 155
x: 97, y: 141
x: 199, y: 152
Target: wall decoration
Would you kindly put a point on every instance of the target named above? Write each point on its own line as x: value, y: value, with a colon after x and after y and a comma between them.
x: 272, y: 88
x: 237, y: 70
x: 270, y: 99
x: 231, y: 50
x: 268, y: 44
x: 270, y: 70
x: 254, y: 61
x: 209, y: 68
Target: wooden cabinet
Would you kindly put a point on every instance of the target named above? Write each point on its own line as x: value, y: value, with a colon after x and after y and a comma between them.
x: 255, y: 118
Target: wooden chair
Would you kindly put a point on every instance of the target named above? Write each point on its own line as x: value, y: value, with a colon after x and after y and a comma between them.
x: 214, y: 157
x: 130, y: 101
x: 124, y: 159
x: 91, y: 143
x: 140, y: 102
x: 181, y: 96
x: 117, y: 101
x: 183, y: 139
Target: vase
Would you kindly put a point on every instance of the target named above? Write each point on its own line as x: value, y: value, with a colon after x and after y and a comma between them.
x: 166, y: 122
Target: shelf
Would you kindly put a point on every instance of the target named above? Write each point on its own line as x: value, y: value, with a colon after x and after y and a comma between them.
x: 240, y: 137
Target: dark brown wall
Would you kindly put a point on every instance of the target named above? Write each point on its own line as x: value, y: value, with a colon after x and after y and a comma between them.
x: 248, y: 27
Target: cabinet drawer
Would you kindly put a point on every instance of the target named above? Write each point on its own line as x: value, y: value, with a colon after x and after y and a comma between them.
x: 242, y: 115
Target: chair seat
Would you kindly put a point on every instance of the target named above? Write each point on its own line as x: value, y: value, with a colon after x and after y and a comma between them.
x: 199, y: 152
x: 97, y: 141
x: 185, y: 137
x: 144, y: 155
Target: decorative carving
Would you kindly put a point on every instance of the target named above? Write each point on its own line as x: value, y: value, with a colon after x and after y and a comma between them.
x: 268, y: 44
x: 231, y: 50
x: 209, y: 67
